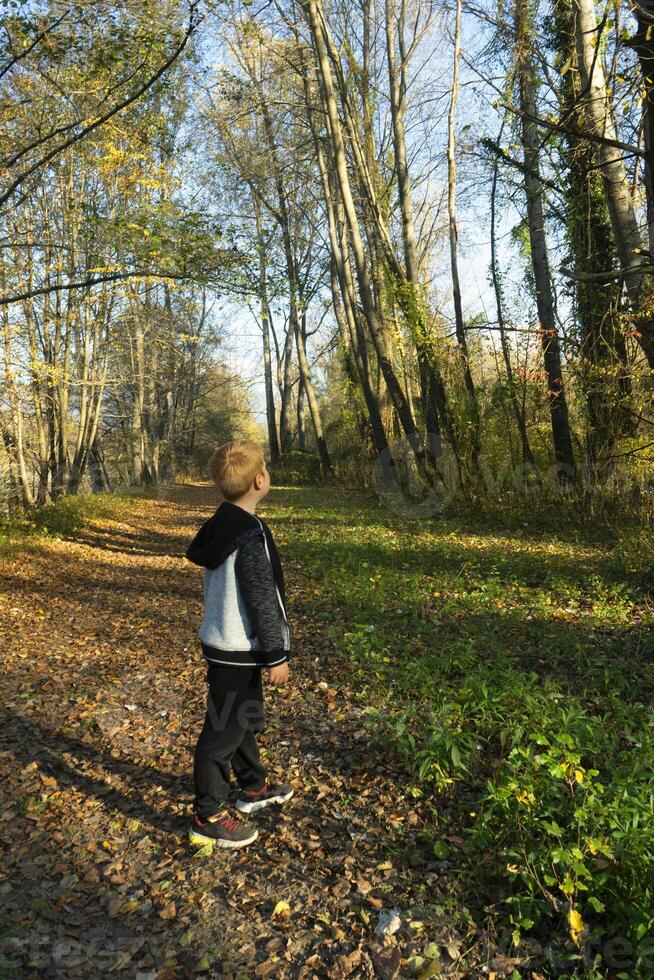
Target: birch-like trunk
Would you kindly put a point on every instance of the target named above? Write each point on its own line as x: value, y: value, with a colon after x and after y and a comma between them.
x: 471, y: 394
x: 352, y: 332
x: 411, y: 294
x: 285, y: 384
x: 13, y: 428
x: 294, y: 313
x: 309, y: 391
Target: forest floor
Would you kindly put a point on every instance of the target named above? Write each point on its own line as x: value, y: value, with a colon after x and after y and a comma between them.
x: 449, y: 641
x: 103, y: 695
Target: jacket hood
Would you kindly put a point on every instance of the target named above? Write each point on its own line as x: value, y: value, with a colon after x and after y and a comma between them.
x: 221, y: 535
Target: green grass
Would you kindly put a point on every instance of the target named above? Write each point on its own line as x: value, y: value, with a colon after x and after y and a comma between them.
x: 511, y: 666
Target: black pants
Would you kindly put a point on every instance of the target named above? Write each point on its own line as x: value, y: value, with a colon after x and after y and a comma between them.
x: 228, y: 737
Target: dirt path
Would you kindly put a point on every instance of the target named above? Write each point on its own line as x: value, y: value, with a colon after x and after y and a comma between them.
x: 103, y: 695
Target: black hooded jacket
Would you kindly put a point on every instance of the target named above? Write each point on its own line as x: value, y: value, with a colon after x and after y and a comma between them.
x: 245, y: 620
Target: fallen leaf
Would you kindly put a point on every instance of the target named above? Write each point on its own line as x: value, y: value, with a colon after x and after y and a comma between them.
x: 267, y: 969
x: 345, y: 964
x: 387, y: 962
x: 341, y: 888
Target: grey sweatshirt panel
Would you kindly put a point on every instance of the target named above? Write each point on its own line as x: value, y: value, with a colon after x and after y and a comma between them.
x: 243, y: 609
x: 225, y: 624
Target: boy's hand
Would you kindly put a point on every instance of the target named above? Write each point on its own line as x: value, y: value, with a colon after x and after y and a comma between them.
x: 278, y: 675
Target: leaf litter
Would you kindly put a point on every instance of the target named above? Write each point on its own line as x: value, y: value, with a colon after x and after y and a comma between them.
x: 103, y: 691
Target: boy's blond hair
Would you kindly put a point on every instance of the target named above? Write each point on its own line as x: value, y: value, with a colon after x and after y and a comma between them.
x: 234, y: 466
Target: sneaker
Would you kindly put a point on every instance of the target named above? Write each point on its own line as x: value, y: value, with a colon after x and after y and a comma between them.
x: 222, y: 830
x: 249, y: 801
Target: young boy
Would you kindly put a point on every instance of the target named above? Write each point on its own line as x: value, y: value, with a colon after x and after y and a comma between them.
x: 244, y: 630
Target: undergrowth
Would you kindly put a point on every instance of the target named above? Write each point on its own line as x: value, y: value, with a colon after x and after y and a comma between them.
x: 62, y: 517
x: 511, y: 668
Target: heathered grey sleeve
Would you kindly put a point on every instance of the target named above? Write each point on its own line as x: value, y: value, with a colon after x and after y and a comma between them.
x: 257, y: 584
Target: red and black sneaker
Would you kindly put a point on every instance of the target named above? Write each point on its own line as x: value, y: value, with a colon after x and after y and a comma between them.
x: 249, y: 801
x: 222, y: 830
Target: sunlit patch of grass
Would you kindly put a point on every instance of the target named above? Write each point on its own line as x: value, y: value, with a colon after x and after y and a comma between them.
x: 61, y: 518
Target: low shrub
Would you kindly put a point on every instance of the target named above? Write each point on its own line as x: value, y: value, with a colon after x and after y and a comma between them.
x: 561, y: 833
x: 63, y: 516
x: 296, y: 469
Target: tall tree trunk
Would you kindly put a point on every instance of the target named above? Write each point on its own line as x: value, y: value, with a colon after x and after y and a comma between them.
x: 296, y: 325
x: 603, y: 371
x: 517, y: 405
x: 11, y: 489
x: 643, y: 43
x: 299, y: 415
x: 411, y: 295
x: 13, y: 428
x: 100, y: 481
x: 371, y: 188
x: 348, y: 357
x: 544, y: 299
x: 315, y: 16
x: 137, y: 421
x: 341, y: 273
x: 314, y: 408
x: 37, y: 392
x: 265, y: 316
x: 286, y: 393
x: 472, y: 408
x: 600, y: 120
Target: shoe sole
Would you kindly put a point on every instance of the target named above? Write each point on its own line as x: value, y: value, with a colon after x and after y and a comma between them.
x: 196, y: 838
x: 244, y: 807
